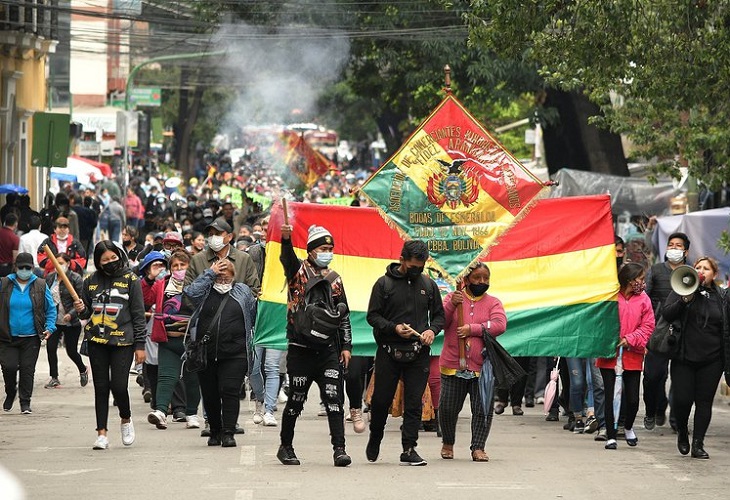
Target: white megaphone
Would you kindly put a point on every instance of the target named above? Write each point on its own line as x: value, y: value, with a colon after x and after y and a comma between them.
x: 684, y: 280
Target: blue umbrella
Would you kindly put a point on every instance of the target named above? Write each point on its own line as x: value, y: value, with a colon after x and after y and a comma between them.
x: 486, y: 385
x: 12, y: 188
x: 618, y: 388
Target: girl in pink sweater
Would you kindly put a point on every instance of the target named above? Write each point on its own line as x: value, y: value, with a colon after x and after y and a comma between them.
x: 636, y: 319
x: 482, y: 314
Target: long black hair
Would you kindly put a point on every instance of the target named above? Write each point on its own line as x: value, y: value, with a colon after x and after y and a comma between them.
x: 105, y: 245
x: 629, y: 272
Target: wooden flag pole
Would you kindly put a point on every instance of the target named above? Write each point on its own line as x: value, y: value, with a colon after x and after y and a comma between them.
x: 61, y: 273
x: 286, y: 211
x: 447, y: 79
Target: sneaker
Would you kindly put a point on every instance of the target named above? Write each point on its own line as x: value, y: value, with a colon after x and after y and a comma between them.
x: 517, y: 410
x: 127, y: 433
x: 649, y: 423
x: 529, y: 402
x: 591, y: 425
x: 601, y: 436
x: 101, y: 443
x: 228, y: 441
x: 270, y: 420
x: 258, y: 413
x: 631, y: 438
x: 282, y: 397
x: 158, y: 419
x: 322, y: 410
x: 341, y: 458
x: 8, y: 403
x: 611, y: 444
x: 192, y: 422
x: 84, y: 377
x: 570, y: 425
x: 238, y: 429
x: 358, y: 424
x: 287, y: 456
x: 498, y: 408
x: 372, y: 450
x: 179, y: 416
x: 410, y: 457
x: 53, y: 383
x: 206, y: 430
x: 580, y: 427
x: 25, y: 410
x: 552, y: 416
x: 147, y: 396
x: 661, y: 419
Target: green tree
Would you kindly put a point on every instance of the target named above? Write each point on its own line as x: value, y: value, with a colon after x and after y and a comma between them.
x: 657, y: 70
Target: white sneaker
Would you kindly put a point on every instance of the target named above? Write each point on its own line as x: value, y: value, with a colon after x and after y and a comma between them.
x: 128, y: 433
x: 158, y: 419
x: 282, y: 398
x: 101, y: 443
x: 270, y: 420
x: 192, y: 422
x: 357, y: 422
x: 258, y: 413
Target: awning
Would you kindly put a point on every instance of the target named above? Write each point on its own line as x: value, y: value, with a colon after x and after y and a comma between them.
x: 105, y: 169
x: 77, y: 170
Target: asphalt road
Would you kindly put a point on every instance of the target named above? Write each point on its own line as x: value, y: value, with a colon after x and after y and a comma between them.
x: 50, y: 453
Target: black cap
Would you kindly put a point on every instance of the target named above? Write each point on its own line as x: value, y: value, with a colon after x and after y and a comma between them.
x: 219, y: 224
x: 24, y: 258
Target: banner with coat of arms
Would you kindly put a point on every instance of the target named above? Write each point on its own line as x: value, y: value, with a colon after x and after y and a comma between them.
x: 453, y: 185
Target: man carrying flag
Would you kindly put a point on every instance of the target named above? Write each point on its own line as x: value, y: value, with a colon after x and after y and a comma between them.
x: 319, y: 337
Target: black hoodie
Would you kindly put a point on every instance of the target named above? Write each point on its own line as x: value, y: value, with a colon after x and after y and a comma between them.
x: 395, y: 299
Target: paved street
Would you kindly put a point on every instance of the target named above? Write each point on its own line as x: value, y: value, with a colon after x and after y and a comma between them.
x: 50, y: 452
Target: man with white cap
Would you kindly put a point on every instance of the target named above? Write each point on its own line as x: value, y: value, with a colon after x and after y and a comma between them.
x: 318, y: 345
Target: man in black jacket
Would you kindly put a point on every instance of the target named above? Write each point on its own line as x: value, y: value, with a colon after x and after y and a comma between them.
x: 406, y: 313
x: 314, y: 355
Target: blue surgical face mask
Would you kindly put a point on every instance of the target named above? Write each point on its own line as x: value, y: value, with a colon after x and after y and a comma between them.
x: 323, y: 259
x: 24, y: 274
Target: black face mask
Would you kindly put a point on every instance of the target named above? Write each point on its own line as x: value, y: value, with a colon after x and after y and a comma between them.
x: 477, y: 290
x: 413, y: 272
x: 112, y: 268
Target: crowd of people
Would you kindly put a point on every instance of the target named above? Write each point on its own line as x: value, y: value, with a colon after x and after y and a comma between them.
x: 165, y: 280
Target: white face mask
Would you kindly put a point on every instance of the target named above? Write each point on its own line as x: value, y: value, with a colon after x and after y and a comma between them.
x: 216, y: 243
x: 222, y: 287
x: 64, y: 267
x: 675, y: 255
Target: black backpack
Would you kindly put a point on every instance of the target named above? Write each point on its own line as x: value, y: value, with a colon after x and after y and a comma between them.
x: 318, y: 319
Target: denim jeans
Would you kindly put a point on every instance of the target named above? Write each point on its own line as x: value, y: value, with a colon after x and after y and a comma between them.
x: 599, y: 394
x: 583, y: 370
x: 265, y: 385
x: 576, y: 369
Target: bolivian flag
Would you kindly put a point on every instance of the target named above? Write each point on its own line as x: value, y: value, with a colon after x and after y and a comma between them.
x: 453, y: 184
x: 306, y: 163
x: 555, y: 272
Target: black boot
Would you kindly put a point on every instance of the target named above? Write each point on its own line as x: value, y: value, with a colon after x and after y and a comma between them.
x: 683, y: 440
x: 227, y: 440
x: 215, y: 438
x: 698, y: 449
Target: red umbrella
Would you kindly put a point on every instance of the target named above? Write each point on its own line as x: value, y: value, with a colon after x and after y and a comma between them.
x: 105, y: 169
x: 551, y: 388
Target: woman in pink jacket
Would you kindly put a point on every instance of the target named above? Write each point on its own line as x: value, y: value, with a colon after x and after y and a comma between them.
x: 636, y: 321
x: 481, y: 313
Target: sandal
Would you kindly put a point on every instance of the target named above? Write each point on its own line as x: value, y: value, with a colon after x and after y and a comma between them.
x: 479, y: 456
x: 447, y: 451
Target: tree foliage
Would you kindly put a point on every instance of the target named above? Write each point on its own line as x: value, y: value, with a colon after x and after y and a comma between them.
x: 657, y: 69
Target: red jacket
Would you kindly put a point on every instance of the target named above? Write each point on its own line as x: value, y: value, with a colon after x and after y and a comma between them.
x: 74, y: 249
x: 636, y: 318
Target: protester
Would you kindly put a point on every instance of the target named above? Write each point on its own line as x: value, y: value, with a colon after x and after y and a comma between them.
x: 314, y: 356
x: 483, y: 314
x: 704, y: 354
x: 33, y: 318
x: 224, y: 313
x: 197, y: 243
x: 406, y: 313
x: 130, y: 244
x: 656, y: 368
x: 171, y: 318
x: 33, y: 239
x: 62, y: 241
x: 152, y: 270
x: 636, y: 321
x: 9, y: 243
x: 112, y: 302
x: 68, y: 325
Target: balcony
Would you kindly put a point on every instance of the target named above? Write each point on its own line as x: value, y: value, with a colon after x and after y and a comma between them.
x: 29, y: 28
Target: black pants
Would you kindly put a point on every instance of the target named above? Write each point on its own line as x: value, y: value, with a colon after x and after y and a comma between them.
x: 355, y: 376
x: 630, y: 401
x: 513, y: 395
x: 71, y: 335
x: 220, y: 384
x: 656, y: 369
x: 20, y: 355
x: 694, y: 383
x: 387, y: 374
x: 110, y: 372
x: 307, y: 366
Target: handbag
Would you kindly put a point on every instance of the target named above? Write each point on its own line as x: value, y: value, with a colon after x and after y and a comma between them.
x: 665, y: 339
x: 195, y: 357
x: 403, y: 353
x: 84, y: 349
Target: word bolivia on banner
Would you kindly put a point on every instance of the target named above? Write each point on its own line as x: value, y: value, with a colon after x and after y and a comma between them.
x: 453, y: 185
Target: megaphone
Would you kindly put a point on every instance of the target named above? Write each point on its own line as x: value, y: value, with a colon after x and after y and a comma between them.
x: 684, y: 280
